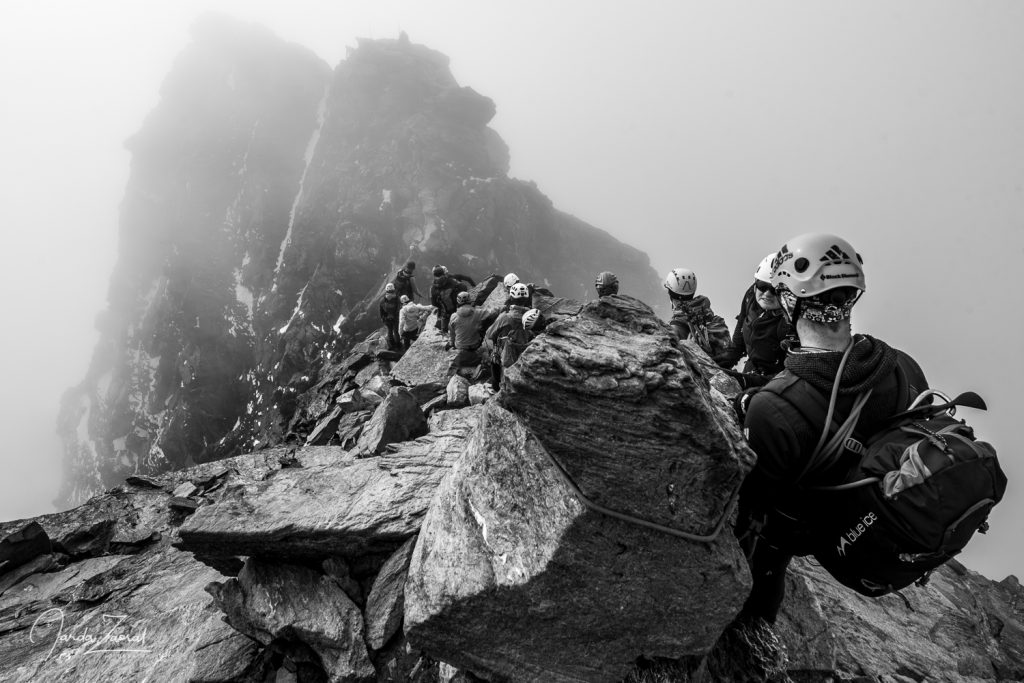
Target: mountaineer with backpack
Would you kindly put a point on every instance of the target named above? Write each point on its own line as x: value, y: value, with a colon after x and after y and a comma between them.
x: 692, y: 317
x: 465, y: 334
x: 508, y: 336
x: 443, y: 295
x: 878, y: 495
x: 389, y: 310
x: 404, y: 282
x: 761, y: 329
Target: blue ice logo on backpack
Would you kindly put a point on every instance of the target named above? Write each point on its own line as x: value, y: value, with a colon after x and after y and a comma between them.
x: 922, y: 487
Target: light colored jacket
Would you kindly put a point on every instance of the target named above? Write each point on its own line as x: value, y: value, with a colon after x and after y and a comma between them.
x: 412, y: 315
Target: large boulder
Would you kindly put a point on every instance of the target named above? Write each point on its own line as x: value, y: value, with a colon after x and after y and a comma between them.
x: 515, y: 578
x: 386, y: 602
x: 398, y: 418
x: 426, y: 362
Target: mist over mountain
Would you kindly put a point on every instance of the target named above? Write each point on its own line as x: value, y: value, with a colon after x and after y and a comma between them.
x: 270, y: 198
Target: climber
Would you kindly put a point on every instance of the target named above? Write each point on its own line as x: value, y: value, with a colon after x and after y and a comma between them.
x: 410, y: 320
x: 506, y: 337
x: 405, y: 283
x: 389, y: 308
x: 606, y: 283
x: 818, y: 278
x: 465, y: 334
x: 443, y: 294
x: 692, y: 317
x: 512, y: 279
x: 761, y: 329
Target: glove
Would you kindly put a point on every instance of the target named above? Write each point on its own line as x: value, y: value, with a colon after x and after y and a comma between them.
x: 741, y: 402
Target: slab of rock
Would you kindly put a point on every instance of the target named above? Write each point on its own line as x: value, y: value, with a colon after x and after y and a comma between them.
x: 398, y: 418
x: 386, y: 602
x: 290, y: 604
x: 479, y: 394
x: 351, y: 509
x: 152, y: 604
x: 326, y: 428
x: 630, y: 417
x: 224, y: 654
x: 515, y: 579
x: 426, y: 361
x: 457, y: 392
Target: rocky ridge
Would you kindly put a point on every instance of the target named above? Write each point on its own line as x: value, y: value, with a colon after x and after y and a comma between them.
x: 469, y: 552
x: 269, y: 201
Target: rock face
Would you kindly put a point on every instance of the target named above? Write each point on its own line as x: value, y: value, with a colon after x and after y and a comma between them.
x: 516, y: 579
x: 465, y: 551
x: 958, y: 627
x: 269, y: 201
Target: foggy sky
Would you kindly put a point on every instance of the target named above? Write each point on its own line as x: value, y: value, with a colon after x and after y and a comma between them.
x: 705, y: 134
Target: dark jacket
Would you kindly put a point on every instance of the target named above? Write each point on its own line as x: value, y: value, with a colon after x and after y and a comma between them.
x: 389, y: 309
x: 405, y: 283
x: 465, y: 327
x: 443, y: 292
x: 695, y: 320
x: 758, y: 336
x: 498, y: 333
x: 783, y: 430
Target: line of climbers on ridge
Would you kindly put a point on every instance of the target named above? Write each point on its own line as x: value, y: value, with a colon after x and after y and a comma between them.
x: 485, y: 343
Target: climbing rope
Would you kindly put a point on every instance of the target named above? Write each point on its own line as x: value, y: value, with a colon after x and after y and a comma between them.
x: 632, y: 519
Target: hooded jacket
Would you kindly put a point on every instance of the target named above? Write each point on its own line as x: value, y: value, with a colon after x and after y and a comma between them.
x: 783, y: 429
x: 465, y: 327
x: 695, y: 320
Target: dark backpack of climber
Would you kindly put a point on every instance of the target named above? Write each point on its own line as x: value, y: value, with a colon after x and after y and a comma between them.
x: 915, y: 493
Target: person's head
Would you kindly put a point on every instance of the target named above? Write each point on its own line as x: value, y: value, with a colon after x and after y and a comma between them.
x: 404, y: 299
x: 818, y: 278
x: 389, y: 290
x: 530, y: 318
x: 764, y: 292
x: 510, y: 280
x: 439, y: 272
x: 409, y: 267
x: 462, y: 298
x: 606, y: 283
x: 519, y: 294
x: 681, y: 283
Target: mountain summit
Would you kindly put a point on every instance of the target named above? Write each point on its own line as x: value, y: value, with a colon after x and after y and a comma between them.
x: 269, y: 201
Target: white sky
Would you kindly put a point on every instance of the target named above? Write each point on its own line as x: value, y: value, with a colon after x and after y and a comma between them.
x: 704, y: 133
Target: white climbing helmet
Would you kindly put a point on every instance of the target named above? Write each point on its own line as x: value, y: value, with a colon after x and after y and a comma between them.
x: 815, y: 274
x: 764, y: 269
x: 530, y: 318
x: 510, y: 280
x: 681, y: 281
x: 519, y: 291
x: 389, y: 288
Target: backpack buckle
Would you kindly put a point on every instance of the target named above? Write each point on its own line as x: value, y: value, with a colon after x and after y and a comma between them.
x: 851, y: 444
